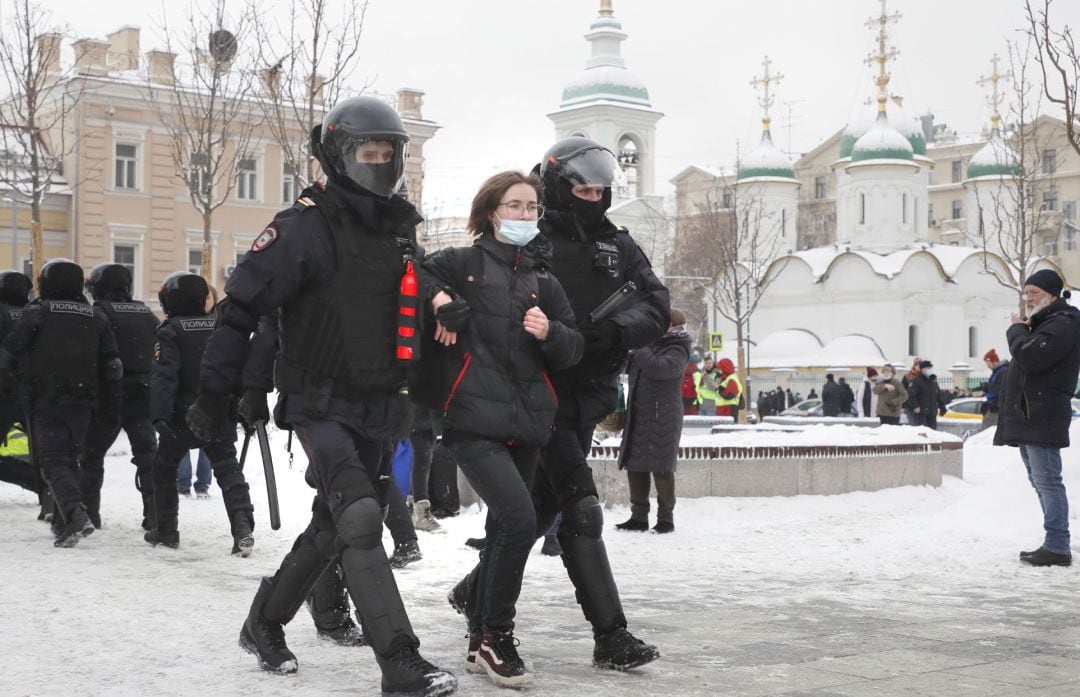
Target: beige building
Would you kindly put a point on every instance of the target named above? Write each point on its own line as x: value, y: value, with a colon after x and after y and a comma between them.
x: 128, y: 202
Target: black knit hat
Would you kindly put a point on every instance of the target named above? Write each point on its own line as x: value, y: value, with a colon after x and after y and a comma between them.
x: 1049, y: 281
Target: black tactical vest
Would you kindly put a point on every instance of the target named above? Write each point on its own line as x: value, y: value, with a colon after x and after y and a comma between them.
x: 63, y: 361
x: 192, y: 333
x: 341, y: 336
x: 589, y: 271
x: 134, y: 326
x: 9, y: 317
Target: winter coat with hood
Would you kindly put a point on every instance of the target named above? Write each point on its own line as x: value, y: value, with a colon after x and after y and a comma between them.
x: 925, y: 394
x: 495, y: 378
x: 1039, y: 385
x: 655, y: 411
x: 729, y: 390
x: 890, y: 402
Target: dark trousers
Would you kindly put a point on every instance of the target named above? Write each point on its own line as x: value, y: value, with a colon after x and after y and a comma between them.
x: 143, y: 440
x: 639, y: 495
x: 230, y: 478
x: 501, y: 475
x: 398, y: 519
x: 423, y: 443
x: 57, y: 434
x: 927, y: 419
x: 890, y: 420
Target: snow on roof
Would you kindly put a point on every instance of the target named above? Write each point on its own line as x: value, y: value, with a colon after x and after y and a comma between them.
x: 882, y: 140
x: 786, y: 349
x: 993, y: 159
x: 850, y: 349
x: 948, y: 257
x: 766, y: 160
x: 605, y: 81
x: 864, y: 117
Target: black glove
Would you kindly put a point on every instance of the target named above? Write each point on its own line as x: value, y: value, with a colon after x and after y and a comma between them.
x: 601, y: 338
x: 164, y: 430
x: 208, y: 417
x: 253, y: 407
x: 454, y: 315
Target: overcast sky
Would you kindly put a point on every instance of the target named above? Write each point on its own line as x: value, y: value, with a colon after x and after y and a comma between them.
x: 493, y: 69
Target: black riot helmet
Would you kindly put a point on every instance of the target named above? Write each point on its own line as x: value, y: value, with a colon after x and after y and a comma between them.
x: 183, y: 293
x: 15, y: 288
x: 362, y: 144
x: 578, y: 161
x: 61, y: 279
x: 109, y: 281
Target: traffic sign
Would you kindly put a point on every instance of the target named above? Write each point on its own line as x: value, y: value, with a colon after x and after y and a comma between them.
x: 716, y: 341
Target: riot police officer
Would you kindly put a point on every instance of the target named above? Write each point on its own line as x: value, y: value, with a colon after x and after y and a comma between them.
x: 133, y: 325
x: 334, y: 263
x: 174, y: 383
x: 592, y: 258
x: 70, y: 367
x: 15, y: 290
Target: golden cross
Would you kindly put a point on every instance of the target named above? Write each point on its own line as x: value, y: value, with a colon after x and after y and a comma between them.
x: 764, y: 81
x: 994, y: 99
x: 884, y: 53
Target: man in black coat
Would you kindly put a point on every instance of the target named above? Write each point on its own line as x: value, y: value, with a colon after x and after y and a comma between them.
x: 926, y: 396
x: 1036, y: 412
x: 847, y: 397
x: 830, y: 397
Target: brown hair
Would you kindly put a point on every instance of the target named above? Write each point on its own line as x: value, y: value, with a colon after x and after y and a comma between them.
x: 489, y: 196
x: 677, y: 318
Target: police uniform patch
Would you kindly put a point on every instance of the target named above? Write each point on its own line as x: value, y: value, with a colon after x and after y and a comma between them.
x: 157, y: 351
x: 266, y: 238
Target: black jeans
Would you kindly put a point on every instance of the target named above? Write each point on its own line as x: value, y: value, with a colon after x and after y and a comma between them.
x: 57, y: 435
x: 398, y: 519
x: 443, y: 484
x: 502, y: 476
x: 423, y: 443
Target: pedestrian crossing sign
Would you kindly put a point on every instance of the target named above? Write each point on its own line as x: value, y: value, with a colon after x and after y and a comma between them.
x: 716, y: 341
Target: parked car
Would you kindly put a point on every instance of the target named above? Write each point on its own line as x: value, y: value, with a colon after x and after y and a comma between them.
x: 966, y: 408
x: 807, y: 407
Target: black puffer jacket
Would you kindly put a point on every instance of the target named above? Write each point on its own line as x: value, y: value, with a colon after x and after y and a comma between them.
x: 655, y: 410
x: 495, y: 378
x: 1035, y: 404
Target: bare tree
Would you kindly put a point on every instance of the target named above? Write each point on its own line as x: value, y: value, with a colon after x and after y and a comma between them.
x: 318, y: 55
x: 730, y: 244
x: 207, y: 109
x: 1058, y: 57
x: 34, y: 113
x: 1012, y: 222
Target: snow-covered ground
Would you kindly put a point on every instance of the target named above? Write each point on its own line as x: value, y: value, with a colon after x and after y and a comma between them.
x: 114, y: 616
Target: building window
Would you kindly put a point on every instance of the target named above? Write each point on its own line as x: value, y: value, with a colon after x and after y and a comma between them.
x: 1068, y: 210
x: 862, y: 209
x: 124, y: 254
x: 930, y: 215
x: 246, y: 180
x: 1070, y: 238
x: 819, y: 187
x: 1050, y: 201
x: 973, y: 341
x: 1049, y: 163
x: 957, y: 166
x: 957, y: 210
x: 288, y: 184
x: 1050, y: 245
x: 913, y: 340
x: 903, y: 208
x: 197, y: 179
x: 819, y: 223
x: 27, y: 268
x: 126, y: 157
x: 194, y: 260
x: 727, y: 198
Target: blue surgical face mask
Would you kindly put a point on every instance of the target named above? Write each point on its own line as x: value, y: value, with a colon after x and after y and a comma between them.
x: 518, y: 232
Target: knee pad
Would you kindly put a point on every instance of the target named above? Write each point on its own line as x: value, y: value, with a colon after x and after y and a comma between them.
x: 586, y: 517
x: 359, y: 523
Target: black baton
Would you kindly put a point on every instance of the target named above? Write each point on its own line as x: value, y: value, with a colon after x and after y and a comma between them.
x: 271, y: 480
x: 624, y: 293
x: 244, y: 448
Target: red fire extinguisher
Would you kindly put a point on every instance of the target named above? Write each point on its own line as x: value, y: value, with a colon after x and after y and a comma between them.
x: 408, y: 305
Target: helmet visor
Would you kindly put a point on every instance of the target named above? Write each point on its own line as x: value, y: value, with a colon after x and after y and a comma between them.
x: 591, y: 167
x: 374, y: 163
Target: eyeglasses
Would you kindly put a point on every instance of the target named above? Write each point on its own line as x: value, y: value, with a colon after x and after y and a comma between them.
x: 517, y: 208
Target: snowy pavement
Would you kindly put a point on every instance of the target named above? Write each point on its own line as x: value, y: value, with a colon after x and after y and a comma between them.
x: 913, y: 591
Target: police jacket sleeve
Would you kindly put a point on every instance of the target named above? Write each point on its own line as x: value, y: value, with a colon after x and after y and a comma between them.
x: 564, y: 345
x: 164, y: 375
x: 1041, y: 349
x: 109, y: 353
x: 21, y: 338
x: 259, y: 369
x: 297, y: 252
x: 648, y: 318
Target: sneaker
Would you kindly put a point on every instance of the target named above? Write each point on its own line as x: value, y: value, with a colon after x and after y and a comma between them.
x: 243, y: 539
x: 422, y: 517
x: 78, y: 526
x: 621, y: 650
x: 186, y: 493
x: 444, y: 512
x: 1044, y: 557
x: 551, y: 547
x: 169, y: 538
x: 633, y: 525
x: 405, y: 553
x: 475, y: 639
x: 663, y: 527
x: 476, y: 543
x: 498, y: 657
x: 202, y: 495
x: 408, y: 673
x: 265, y: 639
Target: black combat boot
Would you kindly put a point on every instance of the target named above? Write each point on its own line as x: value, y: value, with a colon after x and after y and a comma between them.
x: 76, y: 526
x: 406, y: 672
x: 328, y: 604
x: 169, y: 538
x: 621, y: 650
x: 266, y: 639
x: 405, y: 553
x: 243, y: 539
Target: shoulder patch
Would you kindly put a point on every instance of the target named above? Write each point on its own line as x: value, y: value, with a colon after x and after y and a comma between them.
x: 305, y: 201
x: 266, y: 238
x: 157, y: 351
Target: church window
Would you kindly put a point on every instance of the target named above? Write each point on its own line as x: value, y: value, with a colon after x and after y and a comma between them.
x: 727, y: 197
x: 783, y: 223
x: 913, y: 340
x: 973, y: 341
x: 956, y: 167
x: 903, y: 208
x: 930, y: 215
x: 819, y: 187
x: 957, y: 210
x: 629, y: 158
x: 862, y: 209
